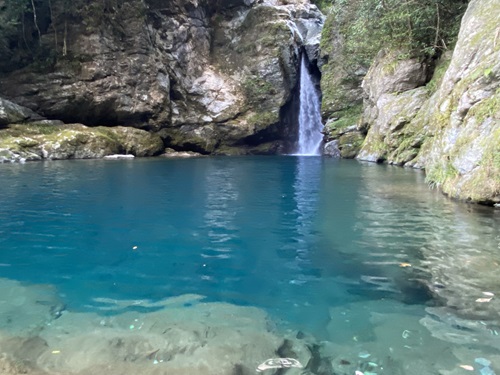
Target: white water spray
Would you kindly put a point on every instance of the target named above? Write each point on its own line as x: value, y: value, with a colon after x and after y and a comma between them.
x: 310, y: 126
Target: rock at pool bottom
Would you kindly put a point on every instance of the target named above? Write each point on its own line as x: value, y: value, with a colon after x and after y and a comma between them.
x: 187, y: 336
x: 202, y: 338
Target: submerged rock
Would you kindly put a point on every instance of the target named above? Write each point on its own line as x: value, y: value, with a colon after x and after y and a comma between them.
x: 182, y: 335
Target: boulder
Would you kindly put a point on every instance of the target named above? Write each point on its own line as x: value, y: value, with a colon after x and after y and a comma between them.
x: 11, y: 113
x: 392, y: 74
x: 345, y: 132
x: 350, y: 144
x: 137, y: 142
x: 391, y: 132
x: 332, y: 149
x: 37, y: 141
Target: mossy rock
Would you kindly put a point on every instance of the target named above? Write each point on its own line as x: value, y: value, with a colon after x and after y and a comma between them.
x: 261, y: 120
x: 341, y: 76
x: 203, y: 140
x: 350, y: 144
x: 75, y: 141
x: 374, y: 150
x: 471, y: 169
x: 257, y: 90
x: 343, y: 121
x: 136, y: 141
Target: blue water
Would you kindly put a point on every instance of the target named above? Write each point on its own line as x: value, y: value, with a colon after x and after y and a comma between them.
x: 296, y: 236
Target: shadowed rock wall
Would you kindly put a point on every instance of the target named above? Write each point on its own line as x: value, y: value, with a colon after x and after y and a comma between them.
x: 207, y: 76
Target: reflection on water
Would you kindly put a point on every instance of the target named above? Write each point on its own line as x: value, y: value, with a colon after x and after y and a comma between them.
x: 220, y: 228
x: 453, y: 247
x: 363, y: 256
x: 306, y: 187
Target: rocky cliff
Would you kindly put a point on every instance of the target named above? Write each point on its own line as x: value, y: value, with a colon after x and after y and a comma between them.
x: 442, y: 116
x: 212, y: 77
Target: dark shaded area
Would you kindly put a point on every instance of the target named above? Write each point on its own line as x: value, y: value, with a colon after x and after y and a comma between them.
x: 289, y: 116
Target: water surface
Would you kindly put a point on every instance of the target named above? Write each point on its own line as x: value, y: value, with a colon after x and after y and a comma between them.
x: 363, y: 256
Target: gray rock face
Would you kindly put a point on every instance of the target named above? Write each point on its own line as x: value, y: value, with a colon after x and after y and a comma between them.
x: 332, y: 149
x: 452, y: 132
x: 223, y: 70
x: 393, y: 97
x: 11, y: 113
x: 389, y: 122
x: 462, y: 156
x: 391, y: 75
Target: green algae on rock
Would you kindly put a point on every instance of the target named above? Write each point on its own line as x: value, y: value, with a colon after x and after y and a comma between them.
x: 447, y: 125
x: 39, y: 141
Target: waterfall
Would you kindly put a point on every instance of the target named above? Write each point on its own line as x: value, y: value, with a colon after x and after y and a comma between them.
x: 310, y: 126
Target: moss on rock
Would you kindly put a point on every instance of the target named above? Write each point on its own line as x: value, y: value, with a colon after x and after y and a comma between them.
x: 350, y: 144
x: 135, y: 141
x: 75, y: 141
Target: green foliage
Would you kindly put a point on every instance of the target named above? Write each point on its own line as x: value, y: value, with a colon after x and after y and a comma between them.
x: 425, y: 26
x: 257, y: 89
x: 438, y: 174
x: 346, y: 117
x: 11, y: 19
x: 486, y: 108
x: 323, y: 5
x: 36, y: 31
x: 438, y: 75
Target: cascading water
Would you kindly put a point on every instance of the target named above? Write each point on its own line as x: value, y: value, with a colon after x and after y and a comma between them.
x: 310, y: 126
